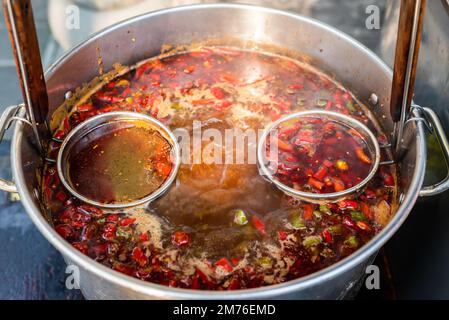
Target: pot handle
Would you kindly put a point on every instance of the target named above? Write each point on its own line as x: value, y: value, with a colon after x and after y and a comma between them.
x: 438, y: 130
x: 8, y: 116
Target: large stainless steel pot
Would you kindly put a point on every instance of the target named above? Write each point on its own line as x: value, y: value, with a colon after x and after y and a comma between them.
x: 143, y: 36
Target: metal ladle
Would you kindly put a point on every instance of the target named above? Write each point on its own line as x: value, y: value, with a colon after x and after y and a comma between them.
x: 411, y: 20
x: 22, y: 33
x: 343, y: 120
x: 408, y: 43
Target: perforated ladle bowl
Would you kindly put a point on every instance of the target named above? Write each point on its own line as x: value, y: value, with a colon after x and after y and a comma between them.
x: 88, y: 126
x: 320, y: 198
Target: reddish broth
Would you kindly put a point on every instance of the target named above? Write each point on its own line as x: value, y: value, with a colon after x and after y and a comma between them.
x: 221, y: 226
x: 119, y: 162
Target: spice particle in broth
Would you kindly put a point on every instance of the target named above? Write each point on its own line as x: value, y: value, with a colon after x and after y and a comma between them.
x: 222, y: 226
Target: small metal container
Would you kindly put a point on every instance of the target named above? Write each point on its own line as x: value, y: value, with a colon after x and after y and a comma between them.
x: 119, y: 117
x: 347, y: 121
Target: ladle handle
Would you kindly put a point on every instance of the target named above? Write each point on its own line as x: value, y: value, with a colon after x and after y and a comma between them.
x: 406, y: 57
x: 22, y: 33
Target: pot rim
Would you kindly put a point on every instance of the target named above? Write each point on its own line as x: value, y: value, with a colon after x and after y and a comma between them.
x: 165, y: 292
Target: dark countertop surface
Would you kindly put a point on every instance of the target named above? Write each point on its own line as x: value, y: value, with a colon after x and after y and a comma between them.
x: 30, y: 268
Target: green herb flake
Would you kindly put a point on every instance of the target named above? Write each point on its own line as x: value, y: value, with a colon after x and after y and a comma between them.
x: 327, y: 253
x: 350, y: 106
x: 124, y: 232
x: 336, y: 230
x: 301, y: 102
x: 176, y: 106
x: 358, y: 216
x: 325, y: 209
x: 321, y: 102
x: 352, y: 242
x: 297, y: 222
x: 264, y: 262
x: 308, y: 126
x: 317, y: 214
x: 240, y: 218
x: 129, y: 100
x: 312, y: 241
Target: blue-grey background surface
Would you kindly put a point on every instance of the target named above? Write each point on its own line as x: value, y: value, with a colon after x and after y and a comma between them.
x: 30, y: 268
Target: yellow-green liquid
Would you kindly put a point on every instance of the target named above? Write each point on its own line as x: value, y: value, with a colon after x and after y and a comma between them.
x: 119, y: 163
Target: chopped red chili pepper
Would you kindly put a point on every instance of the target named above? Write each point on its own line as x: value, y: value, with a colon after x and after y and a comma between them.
x: 223, y: 105
x: 218, y: 93
x: 60, y: 134
x: 338, y: 185
x: 163, y: 169
x: 109, y: 231
x: 364, y: 226
x: 296, y: 86
x: 321, y: 173
x: 328, y: 163
x: 89, y: 209
x: 327, y: 235
x: 348, y: 204
x: 225, y: 264
x: 308, y: 211
x: 234, y: 284
x: 388, y: 179
x: 126, y: 222
x: 66, y: 214
x: 189, y: 69
x: 144, y: 237
x: 362, y: 156
x: 366, y: 210
x: 81, y: 246
x: 61, y: 196
x: 348, y: 222
x: 282, y: 235
x: 85, y: 107
x: 89, y: 232
x: 64, y: 231
x: 258, y: 225
x: 202, y: 102
x: 284, y: 146
x: 139, y: 256
x: 79, y: 220
x: 315, y: 183
x: 123, y: 269
x: 112, y: 217
x: 108, y: 98
x: 229, y: 78
x: 180, y: 239
x: 100, y: 250
x: 369, y: 193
